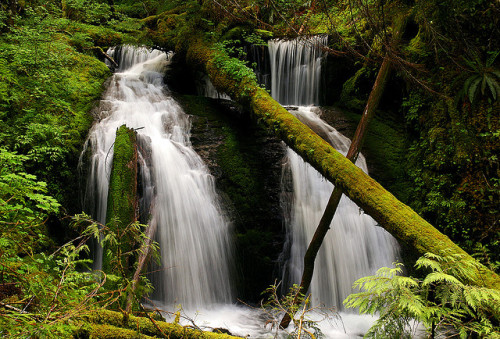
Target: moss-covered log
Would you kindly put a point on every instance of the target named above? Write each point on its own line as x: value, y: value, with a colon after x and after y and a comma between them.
x: 401, y: 221
x: 122, y: 194
x: 120, y: 325
x: 103, y: 331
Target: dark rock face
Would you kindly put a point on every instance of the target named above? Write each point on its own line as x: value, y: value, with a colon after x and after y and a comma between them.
x: 245, y: 161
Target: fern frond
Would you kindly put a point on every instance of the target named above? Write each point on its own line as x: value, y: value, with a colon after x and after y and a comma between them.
x: 473, y: 88
x: 491, y: 58
x: 430, y: 263
x: 407, y: 282
x: 436, y: 277
x: 494, y: 87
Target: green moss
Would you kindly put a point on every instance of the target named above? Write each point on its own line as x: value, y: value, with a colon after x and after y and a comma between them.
x: 123, y: 181
x: 104, y: 331
x: 122, y: 194
x: 356, y: 89
x: 145, y: 326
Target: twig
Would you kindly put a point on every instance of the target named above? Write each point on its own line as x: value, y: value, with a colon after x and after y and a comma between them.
x: 152, y: 320
x: 9, y: 307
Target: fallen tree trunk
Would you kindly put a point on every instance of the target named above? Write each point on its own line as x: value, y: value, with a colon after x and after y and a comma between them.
x: 402, y: 222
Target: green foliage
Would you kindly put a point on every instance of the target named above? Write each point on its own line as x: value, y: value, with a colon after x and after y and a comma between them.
x: 23, y: 207
x: 51, y: 291
x: 43, y: 287
x: 443, y: 303
x: 87, y: 11
x: 49, y: 80
x: 485, y: 78
x: 235, y: 68
x: 452, y: 163
x: 117, y: 282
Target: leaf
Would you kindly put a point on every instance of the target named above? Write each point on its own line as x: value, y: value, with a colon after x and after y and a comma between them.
x: 473, y: 88
x: 491, y: 58
x: 441, y: 277
x: 494, y: 87
x: 483, y: 84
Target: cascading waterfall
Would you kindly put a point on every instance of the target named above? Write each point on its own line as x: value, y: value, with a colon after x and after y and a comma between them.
x: 354, y: 247
x: 177, y: 191
x: 177, y: 194
x: 296, y: 69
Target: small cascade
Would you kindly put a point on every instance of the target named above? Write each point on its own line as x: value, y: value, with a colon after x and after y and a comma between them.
x: 207, y: 89
x: 177, y: 192
x: 296, y: 69
x: 354, y: 247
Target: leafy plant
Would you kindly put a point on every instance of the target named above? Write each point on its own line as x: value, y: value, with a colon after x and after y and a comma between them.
x: 485, y: 78
x: 118, y: 281
x: 88, y: 11
x: 443, y: 303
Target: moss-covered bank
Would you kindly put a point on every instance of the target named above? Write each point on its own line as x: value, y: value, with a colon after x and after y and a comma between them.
x: 110, y: 324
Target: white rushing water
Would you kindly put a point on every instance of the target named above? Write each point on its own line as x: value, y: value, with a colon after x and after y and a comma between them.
x: 296, y: 69
x: 354, y: 247
x: 178, y: 193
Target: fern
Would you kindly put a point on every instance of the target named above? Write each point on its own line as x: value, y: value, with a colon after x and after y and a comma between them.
x: 484, y: 78
x: 442, y: 301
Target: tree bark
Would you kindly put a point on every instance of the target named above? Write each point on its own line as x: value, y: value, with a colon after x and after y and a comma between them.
x: 397, y: 218
x: 333, y: 202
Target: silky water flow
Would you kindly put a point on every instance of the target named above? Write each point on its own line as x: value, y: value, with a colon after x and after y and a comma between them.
x: 178, y: 195
x: 354, y: 247
x: 177, y: 191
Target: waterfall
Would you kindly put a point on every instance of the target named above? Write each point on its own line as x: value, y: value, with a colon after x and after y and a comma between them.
x: 177, y: 192
x: 296, y: 69
x: 354, y: 247
x: 207, y: 89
